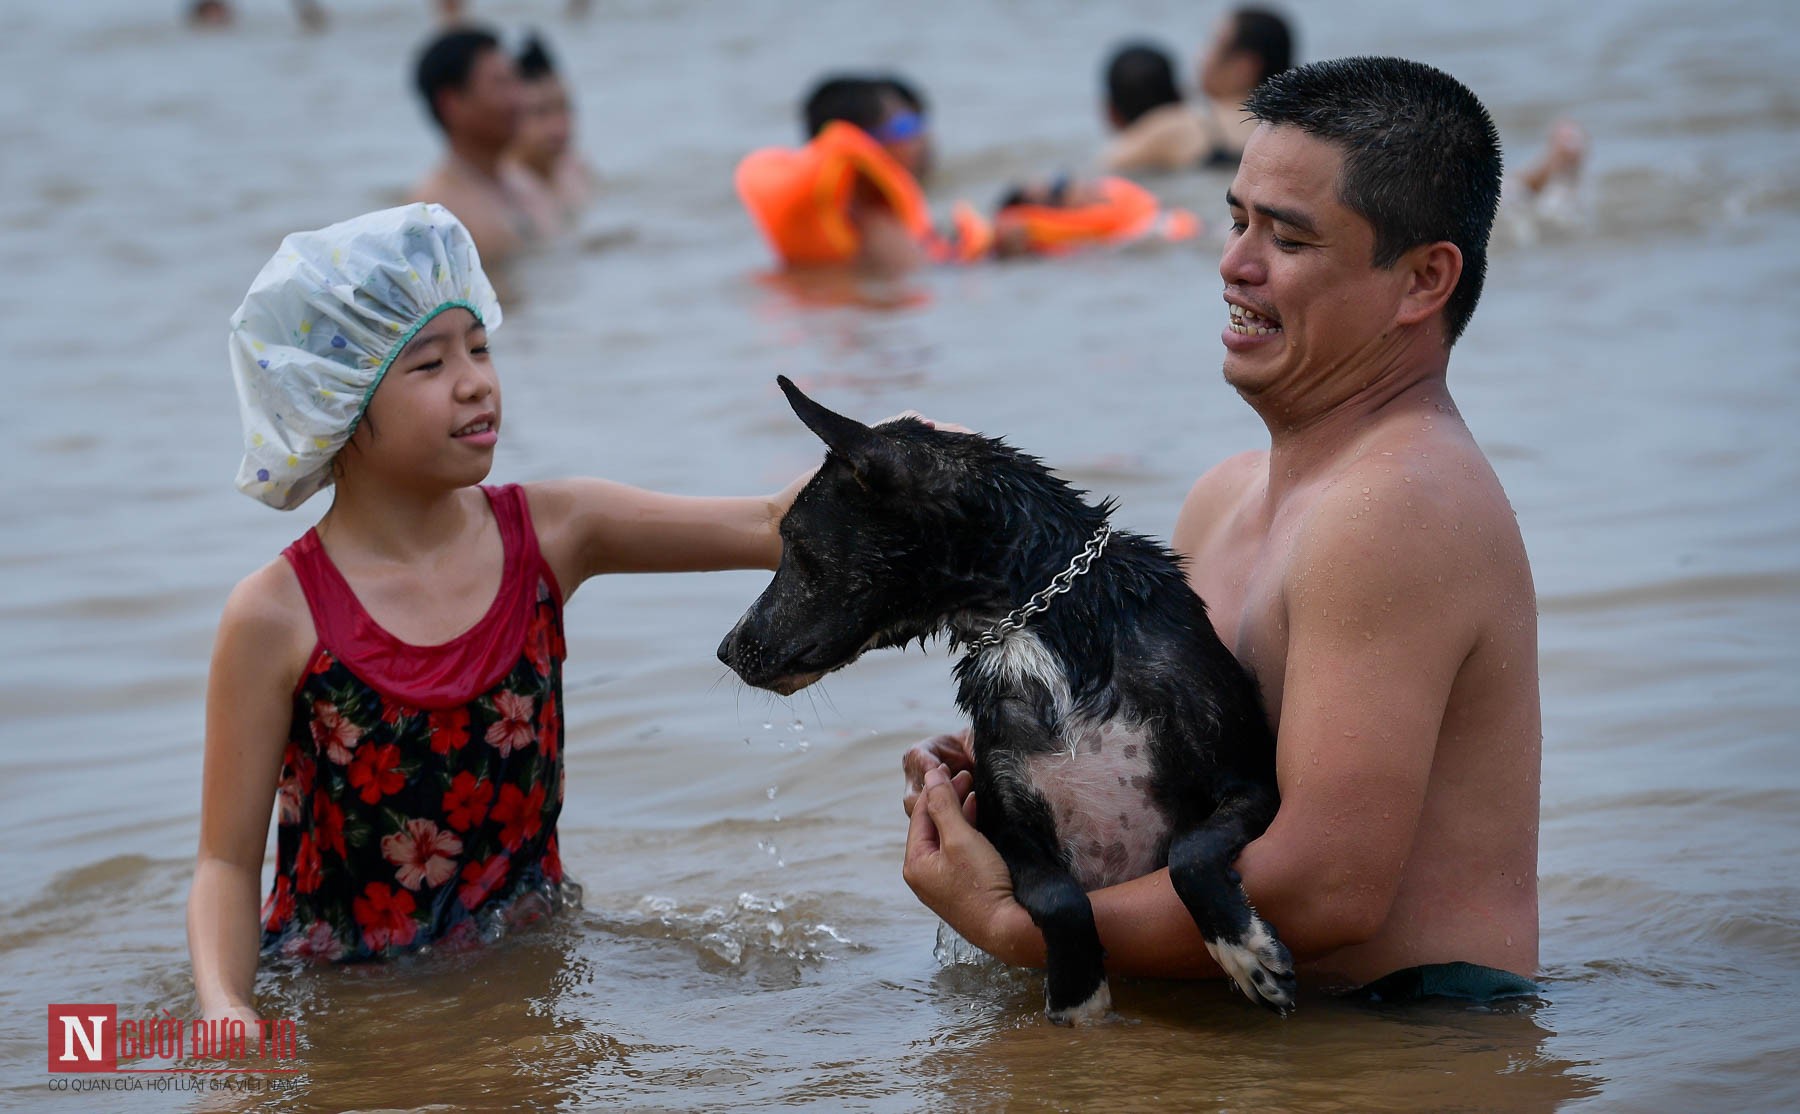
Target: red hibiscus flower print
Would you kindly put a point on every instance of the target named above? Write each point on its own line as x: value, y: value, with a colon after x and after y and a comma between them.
x: 385, y: 916
x: 513, y: 729
x: 309, y: 870
x: 481, y: 878
x: 521, y: 815
x: 449, y: 729
x: 332, y: 733
x: 466, y: 804
x: 394, y: 713
x: 321, y: 664
x: 376, y: 772
x: 318, y: 942
x: 278, y: 910
x: 328, y: 825
x: 549, y: 730
x: 552, y: 862
x: 422, y: 853
x: 538, y: 641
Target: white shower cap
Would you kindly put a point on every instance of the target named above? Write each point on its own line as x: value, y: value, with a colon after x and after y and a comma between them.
x: 321, y: 324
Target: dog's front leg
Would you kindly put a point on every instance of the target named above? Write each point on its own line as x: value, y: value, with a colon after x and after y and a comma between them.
x: 1244, y: 944
x: 1020, y: 825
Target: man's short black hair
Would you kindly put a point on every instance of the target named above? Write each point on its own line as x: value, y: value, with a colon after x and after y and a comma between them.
x: 1421, y: 156
x: 1139, y: 77
x: 1263, y: 33
x: 534, y: 60
x: 907, y: 92
x: 447, y: 61
x: 855, y: 100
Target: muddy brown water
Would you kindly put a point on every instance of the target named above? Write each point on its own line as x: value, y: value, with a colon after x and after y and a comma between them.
x: 746, y: 940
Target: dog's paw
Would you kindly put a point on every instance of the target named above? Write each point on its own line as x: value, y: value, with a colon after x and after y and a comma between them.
x: 1095, y: 1010
x: 1259, y: 965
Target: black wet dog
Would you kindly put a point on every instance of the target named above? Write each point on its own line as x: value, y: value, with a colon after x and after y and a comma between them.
x: 1113, y: 731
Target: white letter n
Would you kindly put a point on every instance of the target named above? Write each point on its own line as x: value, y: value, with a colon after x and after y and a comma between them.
x: 72, y: 1032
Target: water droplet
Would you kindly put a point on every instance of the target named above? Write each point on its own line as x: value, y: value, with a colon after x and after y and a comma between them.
x: 772, y: 789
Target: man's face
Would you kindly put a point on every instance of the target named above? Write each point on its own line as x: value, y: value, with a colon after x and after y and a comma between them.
x: 487, y: 108
x: 1304, y: 299
x: 1227, y: 73
x: 544, y: 123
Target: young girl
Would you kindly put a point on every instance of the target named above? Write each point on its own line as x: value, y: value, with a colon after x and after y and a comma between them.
x: 393, y: 679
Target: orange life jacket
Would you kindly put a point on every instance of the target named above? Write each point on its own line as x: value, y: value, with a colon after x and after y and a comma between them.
x: 1126, y: 212
x: 801, y: 198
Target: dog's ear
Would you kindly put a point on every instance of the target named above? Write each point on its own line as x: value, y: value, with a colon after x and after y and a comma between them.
x: 871, y: 454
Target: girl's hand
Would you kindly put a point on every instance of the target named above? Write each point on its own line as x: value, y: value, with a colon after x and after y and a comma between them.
x: 950, y: 751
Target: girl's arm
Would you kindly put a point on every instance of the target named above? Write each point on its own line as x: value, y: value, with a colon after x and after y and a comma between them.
x: 587, y: 527
x: 259, y: 653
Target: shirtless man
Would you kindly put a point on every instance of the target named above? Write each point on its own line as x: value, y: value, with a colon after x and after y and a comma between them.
x: 1366, y: 568
x: 472, y: 90
x: 1249, y: 46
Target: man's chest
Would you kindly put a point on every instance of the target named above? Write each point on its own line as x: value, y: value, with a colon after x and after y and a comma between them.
x: 1240, y: 571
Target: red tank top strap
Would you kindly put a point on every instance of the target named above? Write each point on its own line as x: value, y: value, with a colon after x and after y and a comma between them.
x: 449, y: 673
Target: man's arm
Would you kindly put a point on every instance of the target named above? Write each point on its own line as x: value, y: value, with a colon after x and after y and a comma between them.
x: 887, y: 248
x: 1376, y: 638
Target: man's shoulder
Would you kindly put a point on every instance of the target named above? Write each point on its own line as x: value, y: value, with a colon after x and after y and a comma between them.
x: 1169, y: 137
x: 1231, y: 475
x: 1413, y: 513
x: 1215, y: 493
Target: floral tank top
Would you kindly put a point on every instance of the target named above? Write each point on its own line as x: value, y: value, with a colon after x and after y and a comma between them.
x: 421, y: 784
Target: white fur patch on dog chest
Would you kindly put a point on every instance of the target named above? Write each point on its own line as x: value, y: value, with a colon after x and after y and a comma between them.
x: 1098, y: 790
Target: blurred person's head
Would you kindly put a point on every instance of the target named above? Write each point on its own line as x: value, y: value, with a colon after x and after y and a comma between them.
x: 1360, y: 218
x: 209, y: 13
x: 873, y: 105
x: 1248, y: 47
x: 854, y: 100
x: 1139, y: 77
x: 471, y: 87
x: 545, y: 120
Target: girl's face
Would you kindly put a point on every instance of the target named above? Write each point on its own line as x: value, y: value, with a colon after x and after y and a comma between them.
x: 435, y: 419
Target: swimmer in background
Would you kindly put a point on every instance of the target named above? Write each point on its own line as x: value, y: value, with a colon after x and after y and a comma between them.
x: 1066, y: 214
x: 471, y: 88
x: 1159, y: 131
x: 851, y: 196
x: 542, y: 145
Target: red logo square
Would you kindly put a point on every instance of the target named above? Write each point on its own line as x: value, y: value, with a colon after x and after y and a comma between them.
x: 84, y: 1037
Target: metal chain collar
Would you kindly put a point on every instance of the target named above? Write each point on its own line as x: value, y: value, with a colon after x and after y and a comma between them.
x: 1078, y: 565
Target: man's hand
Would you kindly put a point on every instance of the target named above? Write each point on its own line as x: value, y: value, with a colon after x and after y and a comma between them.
x: 951, y: 751
x: 955, y: 871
